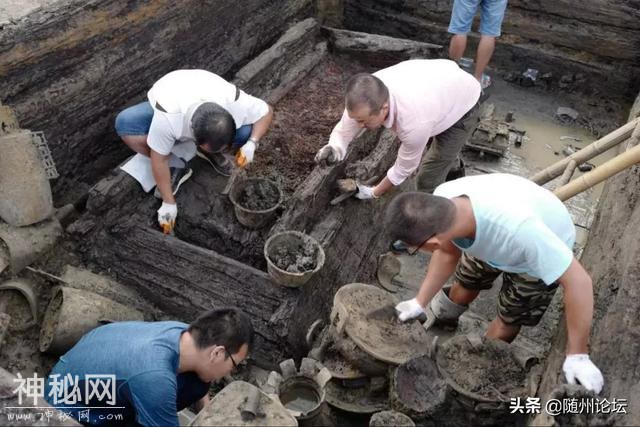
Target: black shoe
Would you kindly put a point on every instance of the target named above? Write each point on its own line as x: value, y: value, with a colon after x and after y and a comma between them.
x: 178, y: 177
x: 219, y: 162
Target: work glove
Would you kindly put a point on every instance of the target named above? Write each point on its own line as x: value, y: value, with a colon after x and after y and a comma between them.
x: 365, y: 192
x: 326, y: 154
x: 580, y: 367
x: 409, y: 309
x: 248, y: 151
x: 167, y: 216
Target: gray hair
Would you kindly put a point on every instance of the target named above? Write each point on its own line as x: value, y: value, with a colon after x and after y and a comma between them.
x: 413, y: 217
x: 366, y: 89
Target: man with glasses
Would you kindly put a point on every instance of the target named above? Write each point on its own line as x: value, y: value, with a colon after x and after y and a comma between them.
x: 185, y: 109
x: 159, y: 368
x: 480, y: 227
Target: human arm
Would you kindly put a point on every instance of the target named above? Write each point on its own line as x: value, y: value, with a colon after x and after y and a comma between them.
x: 578, y: 306
x: 412, y: 146
x: 261, y: 127
x: 441, y: 266
x: 553, y: 261
x: 162, y: 176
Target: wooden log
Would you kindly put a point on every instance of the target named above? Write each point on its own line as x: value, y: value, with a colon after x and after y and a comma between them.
x: 380, y: 51
x: 282, y: 66
x: 184, y: 280
x: 87, y: 60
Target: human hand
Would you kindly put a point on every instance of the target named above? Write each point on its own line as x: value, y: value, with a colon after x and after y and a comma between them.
x: 409, y: 309
x: 167, y: 216
x: 248, y: 151
x: 365, y: 192
x: 580, y: 367
x: 327, y: 155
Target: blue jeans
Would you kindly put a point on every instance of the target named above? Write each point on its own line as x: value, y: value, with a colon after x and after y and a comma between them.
x: 136, y: 120
x: 491, y: 15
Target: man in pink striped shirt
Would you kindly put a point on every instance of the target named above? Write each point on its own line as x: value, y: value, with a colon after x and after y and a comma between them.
x: 417, y: 99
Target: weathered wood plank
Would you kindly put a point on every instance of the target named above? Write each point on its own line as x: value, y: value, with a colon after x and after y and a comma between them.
x: 183, y: 280
x: 380, y: 51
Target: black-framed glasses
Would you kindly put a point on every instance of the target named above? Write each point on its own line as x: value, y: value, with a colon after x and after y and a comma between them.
x: 235, y: 365
x: 415, y: 249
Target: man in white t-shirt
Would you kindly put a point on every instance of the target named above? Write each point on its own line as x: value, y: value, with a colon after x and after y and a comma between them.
x: 482, y: 226
x: 191, y: 112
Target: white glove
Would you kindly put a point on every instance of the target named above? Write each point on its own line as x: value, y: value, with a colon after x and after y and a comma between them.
x: 580, y: 367
x: 167, y: 214
x: 409, y: 309
x: 248, y: 150
x: 365, y: 192
x: 326, y: 154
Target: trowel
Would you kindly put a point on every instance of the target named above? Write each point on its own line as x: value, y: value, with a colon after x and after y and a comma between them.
x: 348, y: 187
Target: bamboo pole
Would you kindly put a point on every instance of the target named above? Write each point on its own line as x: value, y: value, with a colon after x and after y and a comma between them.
x: 597, y: 147
x: 599, y: 174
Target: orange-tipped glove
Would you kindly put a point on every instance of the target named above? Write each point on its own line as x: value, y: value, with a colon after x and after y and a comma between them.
x: 167, y: 217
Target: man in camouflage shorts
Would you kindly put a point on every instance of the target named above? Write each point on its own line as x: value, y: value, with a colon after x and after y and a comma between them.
x: 523, y: 299
x: 479, y: 227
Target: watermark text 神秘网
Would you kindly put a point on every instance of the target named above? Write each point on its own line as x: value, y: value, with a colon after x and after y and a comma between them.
x: 64, y: 392
x: 568, y: 405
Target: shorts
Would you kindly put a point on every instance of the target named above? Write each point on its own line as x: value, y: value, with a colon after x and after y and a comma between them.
x: 491, y: 15
x: 136, y: 120
x: 522, y: 300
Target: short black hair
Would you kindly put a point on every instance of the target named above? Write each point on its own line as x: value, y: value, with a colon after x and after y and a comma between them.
x: 414, y: 216
x: 366, y: 89
x: 213, y: 125
x: 228, y: 327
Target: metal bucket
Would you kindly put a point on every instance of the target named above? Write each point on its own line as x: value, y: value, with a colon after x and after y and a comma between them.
x: 253, y: 218
x: 293, y: 241
x: 71, y: 313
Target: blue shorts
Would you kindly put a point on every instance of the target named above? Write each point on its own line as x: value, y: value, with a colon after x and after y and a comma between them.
x: 136, y: 120
x: 491, y: 15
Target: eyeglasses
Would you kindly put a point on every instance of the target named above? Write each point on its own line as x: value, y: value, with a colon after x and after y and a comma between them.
x: 416, y: 249
x: 235, y: 365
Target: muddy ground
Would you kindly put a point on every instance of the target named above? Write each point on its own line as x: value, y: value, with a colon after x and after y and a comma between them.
x: 302, y: 123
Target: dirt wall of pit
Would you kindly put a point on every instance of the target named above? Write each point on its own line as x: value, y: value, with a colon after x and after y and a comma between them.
x: 612, y: 257
x: 598, y: 38
x: 69, y: 67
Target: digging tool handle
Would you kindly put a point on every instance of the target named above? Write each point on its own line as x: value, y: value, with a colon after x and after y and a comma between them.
x: 231, y: 181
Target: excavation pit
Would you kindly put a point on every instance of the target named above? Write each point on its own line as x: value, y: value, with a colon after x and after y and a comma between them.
x: 213, y: 259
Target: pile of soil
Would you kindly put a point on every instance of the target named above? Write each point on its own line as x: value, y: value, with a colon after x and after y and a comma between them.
x: 295, y: 258
x: 302, y: 123
x: 259, y: 196
x: 490, y: 370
